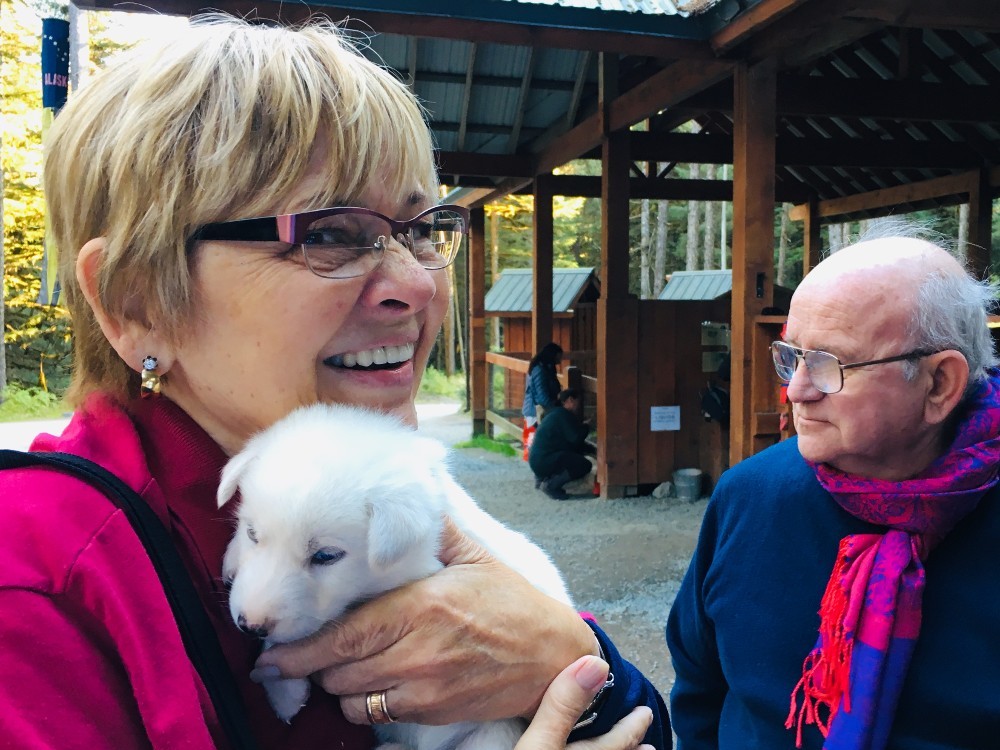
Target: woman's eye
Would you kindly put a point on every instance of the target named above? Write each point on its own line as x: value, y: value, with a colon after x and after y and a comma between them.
x: 252, y: 534
x: 332, y: 236
x: 326, y: 556
x: 422, y: 230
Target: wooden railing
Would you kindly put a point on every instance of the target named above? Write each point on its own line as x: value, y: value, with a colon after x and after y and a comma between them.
x: 507, y: 417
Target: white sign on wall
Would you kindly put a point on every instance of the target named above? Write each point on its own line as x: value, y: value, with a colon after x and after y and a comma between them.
x: 664, y: 418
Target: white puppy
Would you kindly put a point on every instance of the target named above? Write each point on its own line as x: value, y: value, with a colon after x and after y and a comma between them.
x: 338, y: 505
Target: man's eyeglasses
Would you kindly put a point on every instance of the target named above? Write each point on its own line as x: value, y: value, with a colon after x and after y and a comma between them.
x: 348, y: 241
x: 825, y: 371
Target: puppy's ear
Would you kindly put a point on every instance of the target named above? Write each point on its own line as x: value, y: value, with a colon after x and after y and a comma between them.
x: 231, y: 475
x: 395, y: 527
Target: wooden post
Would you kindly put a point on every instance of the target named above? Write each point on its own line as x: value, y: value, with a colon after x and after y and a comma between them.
x: 813, y: 238
x: 478, y: 370
x: 754, y: 99
x: 980, y: 245
x: 541, y: 309
x: 617, y: 330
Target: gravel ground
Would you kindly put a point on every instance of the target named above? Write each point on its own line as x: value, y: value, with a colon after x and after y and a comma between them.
x: 623, y: 559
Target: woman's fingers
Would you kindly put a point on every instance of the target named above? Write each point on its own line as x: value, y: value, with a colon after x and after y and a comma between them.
x: 625, y: 735
x: 569, y: 695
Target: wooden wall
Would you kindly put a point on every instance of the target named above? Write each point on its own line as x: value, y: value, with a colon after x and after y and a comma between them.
x: 670, y: 374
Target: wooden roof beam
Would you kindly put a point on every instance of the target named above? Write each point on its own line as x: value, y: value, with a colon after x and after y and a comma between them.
x: 466, y: 97
x: 522, y: 102
x: 878, y: 200
x: 583, y: 186
x: 978, y: 15
x: 815, y: 28
x: 484, y: 165
x: 670, y: 86
x: 817, y: 152
x: 812, y: 96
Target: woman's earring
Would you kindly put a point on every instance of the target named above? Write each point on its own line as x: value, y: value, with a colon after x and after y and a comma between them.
x: 150, y: 384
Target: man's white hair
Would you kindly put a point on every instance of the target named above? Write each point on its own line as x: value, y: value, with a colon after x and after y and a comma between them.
x: 950, y: 310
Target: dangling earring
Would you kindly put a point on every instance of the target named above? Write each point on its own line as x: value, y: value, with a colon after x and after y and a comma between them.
x: 150, y: 383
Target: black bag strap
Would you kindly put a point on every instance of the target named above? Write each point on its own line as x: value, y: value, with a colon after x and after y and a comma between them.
x: 200, y: 639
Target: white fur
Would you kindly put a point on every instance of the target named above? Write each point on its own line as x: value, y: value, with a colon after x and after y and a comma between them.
x: 336, y: 478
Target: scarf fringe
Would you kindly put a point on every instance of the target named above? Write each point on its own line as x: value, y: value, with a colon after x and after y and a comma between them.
x: 826, y: 670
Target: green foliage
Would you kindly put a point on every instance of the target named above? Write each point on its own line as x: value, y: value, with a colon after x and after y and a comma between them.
x: 504, y: 448
x: 437, y: 384
x: 30, y: 403
x: 37, y: 338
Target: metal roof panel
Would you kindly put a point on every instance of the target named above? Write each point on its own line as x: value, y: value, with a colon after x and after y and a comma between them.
x: 513, y: 291
x: 693, y: 286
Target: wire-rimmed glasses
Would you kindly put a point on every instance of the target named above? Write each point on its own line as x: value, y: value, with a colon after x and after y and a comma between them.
x: 345, y: 242
x: 825, y: 371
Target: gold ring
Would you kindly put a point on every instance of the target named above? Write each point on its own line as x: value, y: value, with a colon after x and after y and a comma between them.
x: 377, y: 708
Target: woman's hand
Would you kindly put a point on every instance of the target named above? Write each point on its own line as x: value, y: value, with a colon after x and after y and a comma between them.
x: 473, y: 642
x: 567, y: 698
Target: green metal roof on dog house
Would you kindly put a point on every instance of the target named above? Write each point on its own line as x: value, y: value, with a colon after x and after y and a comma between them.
x: 705, y: 286
x: 692, y: 286
x: 513, y: 293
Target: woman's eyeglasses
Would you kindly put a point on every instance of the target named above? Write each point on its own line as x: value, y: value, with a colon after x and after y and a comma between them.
x: 825, y: 371
x: 349, y: 241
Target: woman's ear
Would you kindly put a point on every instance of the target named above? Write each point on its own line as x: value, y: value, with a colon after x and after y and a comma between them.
x: 949, y: 372
x: 133, y: 339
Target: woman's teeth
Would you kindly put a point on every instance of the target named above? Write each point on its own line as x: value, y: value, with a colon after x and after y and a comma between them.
x: 383, y: 355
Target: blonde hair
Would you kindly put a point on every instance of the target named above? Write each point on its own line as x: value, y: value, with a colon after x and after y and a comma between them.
x: 220, y: 123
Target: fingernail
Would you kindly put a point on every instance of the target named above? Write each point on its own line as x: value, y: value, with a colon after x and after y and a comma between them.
x: 592, y: 673
x: 265, y: 673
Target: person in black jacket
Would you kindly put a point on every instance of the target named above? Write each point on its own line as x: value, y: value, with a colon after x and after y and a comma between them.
x: 559, y: 451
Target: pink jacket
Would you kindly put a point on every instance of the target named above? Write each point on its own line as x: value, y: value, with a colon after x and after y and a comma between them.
x: 90, y: 655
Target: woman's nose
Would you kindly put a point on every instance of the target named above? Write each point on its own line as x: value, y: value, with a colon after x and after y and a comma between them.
x: 400, y: 279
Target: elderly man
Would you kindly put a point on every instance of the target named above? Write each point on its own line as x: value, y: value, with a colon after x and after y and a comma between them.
x: 842, y: 593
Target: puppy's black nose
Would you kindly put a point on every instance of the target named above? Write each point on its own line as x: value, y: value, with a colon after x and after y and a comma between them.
x: 259, y: 630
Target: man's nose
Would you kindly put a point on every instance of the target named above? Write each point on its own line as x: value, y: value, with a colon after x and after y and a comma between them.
x: 800, y: 387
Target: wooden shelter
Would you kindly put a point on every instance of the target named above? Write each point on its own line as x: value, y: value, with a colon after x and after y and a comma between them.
x: 847, y: 109
x: 575, y: 292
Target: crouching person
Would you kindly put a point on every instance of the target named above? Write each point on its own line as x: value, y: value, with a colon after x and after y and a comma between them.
x: 559, y: 451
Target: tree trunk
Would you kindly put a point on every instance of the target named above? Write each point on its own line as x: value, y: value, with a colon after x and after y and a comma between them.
x: 723, y: 239
x: 708, y: 259
x: 660, y: 260
x: 644, y: 245
x: 835, y: 232
x: 963, y: 231
x: 692, y: 230
x: 449, y: 327
x: 79, y: 47
x: 457, y: 306
x: 783, y: 244
x: 495, y: 273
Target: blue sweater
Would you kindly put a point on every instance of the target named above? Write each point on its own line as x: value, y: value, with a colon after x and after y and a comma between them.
x: 746, y: 616
x: 631, y: 689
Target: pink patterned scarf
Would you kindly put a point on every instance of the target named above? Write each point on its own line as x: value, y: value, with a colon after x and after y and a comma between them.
x: 871, y: 610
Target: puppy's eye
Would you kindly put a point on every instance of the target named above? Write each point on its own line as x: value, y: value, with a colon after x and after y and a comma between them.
x: 326, y: 556
x: 252, y: 534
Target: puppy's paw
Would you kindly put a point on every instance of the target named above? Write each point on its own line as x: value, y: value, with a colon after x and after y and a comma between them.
x: 287, y: 697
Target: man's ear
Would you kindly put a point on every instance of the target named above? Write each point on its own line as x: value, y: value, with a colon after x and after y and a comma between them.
x: 133, y: 338
x: 949, y: 372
